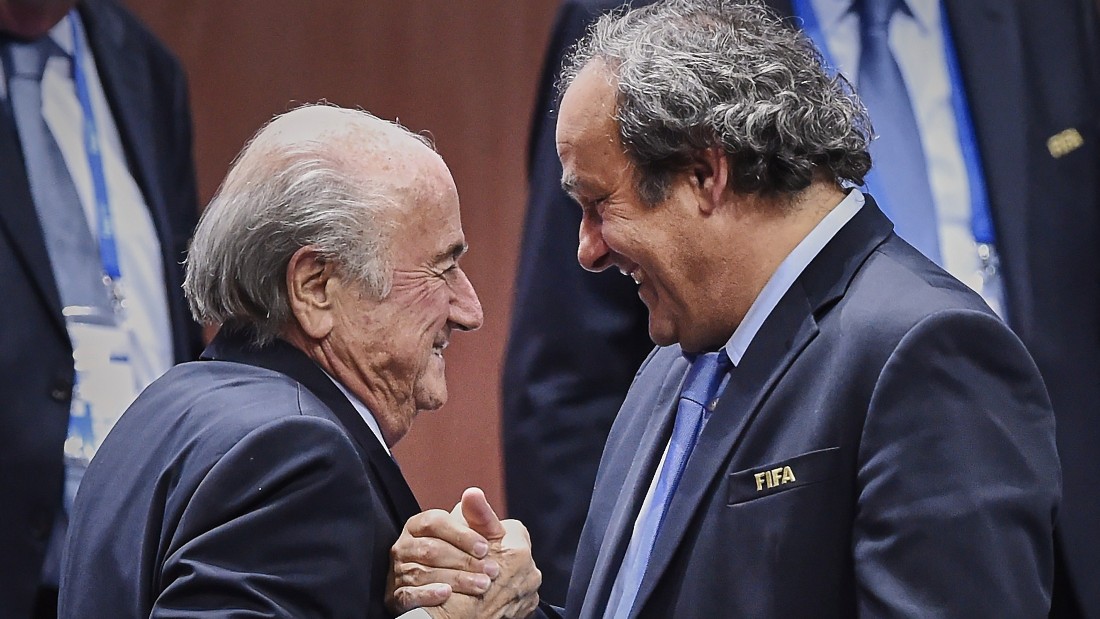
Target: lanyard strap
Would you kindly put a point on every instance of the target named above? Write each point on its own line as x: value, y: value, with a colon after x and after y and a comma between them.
x: 981, y: 220
x: 108, y: 246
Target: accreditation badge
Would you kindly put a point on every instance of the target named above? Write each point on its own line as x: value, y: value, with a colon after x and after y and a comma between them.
x: 104, y: 381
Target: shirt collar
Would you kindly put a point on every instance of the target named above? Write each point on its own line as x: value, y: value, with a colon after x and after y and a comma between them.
x: 830, y: 12
x: 925, y: 12
x: 788, y: 271
x: 364, y: 412
x: 62, y: 34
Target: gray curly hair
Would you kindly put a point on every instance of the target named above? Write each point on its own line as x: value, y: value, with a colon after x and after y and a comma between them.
x: 693, y: 74
x: 299, y: 182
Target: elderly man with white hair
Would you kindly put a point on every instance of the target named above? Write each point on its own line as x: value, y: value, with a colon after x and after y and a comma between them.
x: 258, y: 481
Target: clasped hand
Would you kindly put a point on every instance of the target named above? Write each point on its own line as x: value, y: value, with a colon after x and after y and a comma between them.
x: 464, y: 564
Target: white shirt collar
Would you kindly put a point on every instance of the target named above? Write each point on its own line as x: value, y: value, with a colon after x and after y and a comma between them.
x: 364, y: 412
x: 926, y: 12
x: 62, y: 34
x: 788, y: 271
x: 830, y: 12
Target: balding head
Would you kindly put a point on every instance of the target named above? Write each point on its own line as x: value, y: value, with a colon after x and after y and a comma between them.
x: 321, y: 176
x: 354, y: 134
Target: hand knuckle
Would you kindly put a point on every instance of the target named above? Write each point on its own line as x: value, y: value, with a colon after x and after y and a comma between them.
x: 424, y: 521
x: 427, y: 553
x: 403, y: 575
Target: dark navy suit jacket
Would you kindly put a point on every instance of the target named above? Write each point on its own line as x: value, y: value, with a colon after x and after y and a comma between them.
x: 884, y: 448
x: 1030, y: 70
x: 147, y: 93
x: 242, y: 485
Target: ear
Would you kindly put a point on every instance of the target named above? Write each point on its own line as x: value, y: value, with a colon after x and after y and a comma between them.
x: 710, y: 172
x: 310, y: 284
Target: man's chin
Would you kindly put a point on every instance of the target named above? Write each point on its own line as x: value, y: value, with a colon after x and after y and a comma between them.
x: 661, y: 332
x: 430, y: 399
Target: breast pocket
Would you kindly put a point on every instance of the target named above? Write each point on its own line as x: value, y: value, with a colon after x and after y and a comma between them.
x: 784, y: 475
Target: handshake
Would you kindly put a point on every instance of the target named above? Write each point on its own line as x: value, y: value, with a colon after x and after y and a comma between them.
x: 464, y: 564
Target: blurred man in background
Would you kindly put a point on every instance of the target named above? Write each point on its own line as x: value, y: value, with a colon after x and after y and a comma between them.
x: 97, y: 201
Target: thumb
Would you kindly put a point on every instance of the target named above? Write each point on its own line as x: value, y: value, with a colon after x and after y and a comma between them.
x: 480, y: 516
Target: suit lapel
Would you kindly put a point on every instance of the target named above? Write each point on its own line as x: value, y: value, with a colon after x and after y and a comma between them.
x: 990, y: 53
x: 279, y: 356
x: 790, y: 327
x: 654, y: 427
x: 786, y: 332
x: 19, y: 221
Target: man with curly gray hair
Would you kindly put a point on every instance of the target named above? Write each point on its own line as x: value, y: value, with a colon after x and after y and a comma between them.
x: 831, y: 425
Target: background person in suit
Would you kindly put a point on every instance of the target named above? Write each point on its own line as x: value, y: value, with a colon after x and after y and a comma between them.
x: 89, y: 79
x: 831, y: 425
x: 260, y: 479
x: 1027, y: 75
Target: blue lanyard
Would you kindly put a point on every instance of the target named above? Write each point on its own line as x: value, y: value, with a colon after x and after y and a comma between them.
x: 108, y: 247
x: 981, y: 221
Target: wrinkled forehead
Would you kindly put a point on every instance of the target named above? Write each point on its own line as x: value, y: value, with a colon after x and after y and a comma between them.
x: 382, y: 155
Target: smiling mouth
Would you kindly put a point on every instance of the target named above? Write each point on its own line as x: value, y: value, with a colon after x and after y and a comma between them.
x: 438, y: 347
x: 633, y: 274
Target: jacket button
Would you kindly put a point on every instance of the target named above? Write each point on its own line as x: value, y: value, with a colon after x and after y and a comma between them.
x: 61, y: 391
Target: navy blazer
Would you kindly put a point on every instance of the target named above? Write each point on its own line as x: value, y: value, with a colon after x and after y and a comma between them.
x: 1030, y: 70
x: 243, y: 484
x: 884, y: 448
x: 147, y: 93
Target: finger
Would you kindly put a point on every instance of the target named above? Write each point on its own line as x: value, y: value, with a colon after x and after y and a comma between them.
x: 414, y: 576
x: 480, y: 515
x: 439, y: 525
x: 528, y: 605
x: 408, y: 598
x: 434, y: 553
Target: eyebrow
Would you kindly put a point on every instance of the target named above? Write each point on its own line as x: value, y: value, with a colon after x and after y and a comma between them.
x: 569, y: 184
x: 454, y: 252
x: 572, y: 185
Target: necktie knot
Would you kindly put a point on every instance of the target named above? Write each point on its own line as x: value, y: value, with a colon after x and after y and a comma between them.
x: 875, y: 15
x: 28, y: 60
x: 704, y: 376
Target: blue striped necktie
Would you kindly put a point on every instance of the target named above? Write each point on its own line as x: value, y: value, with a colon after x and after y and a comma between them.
x: 74, y: 257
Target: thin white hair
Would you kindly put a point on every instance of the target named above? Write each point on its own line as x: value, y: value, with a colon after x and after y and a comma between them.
x: 298, y: 182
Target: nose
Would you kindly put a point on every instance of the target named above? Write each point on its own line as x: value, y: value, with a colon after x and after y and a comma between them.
x: 466, y: 314
x: 592, y: 251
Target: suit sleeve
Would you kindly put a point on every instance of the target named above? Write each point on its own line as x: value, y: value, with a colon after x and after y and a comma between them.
x: 575, y: 343
x: 958, y: 477
x: 280, y: 526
